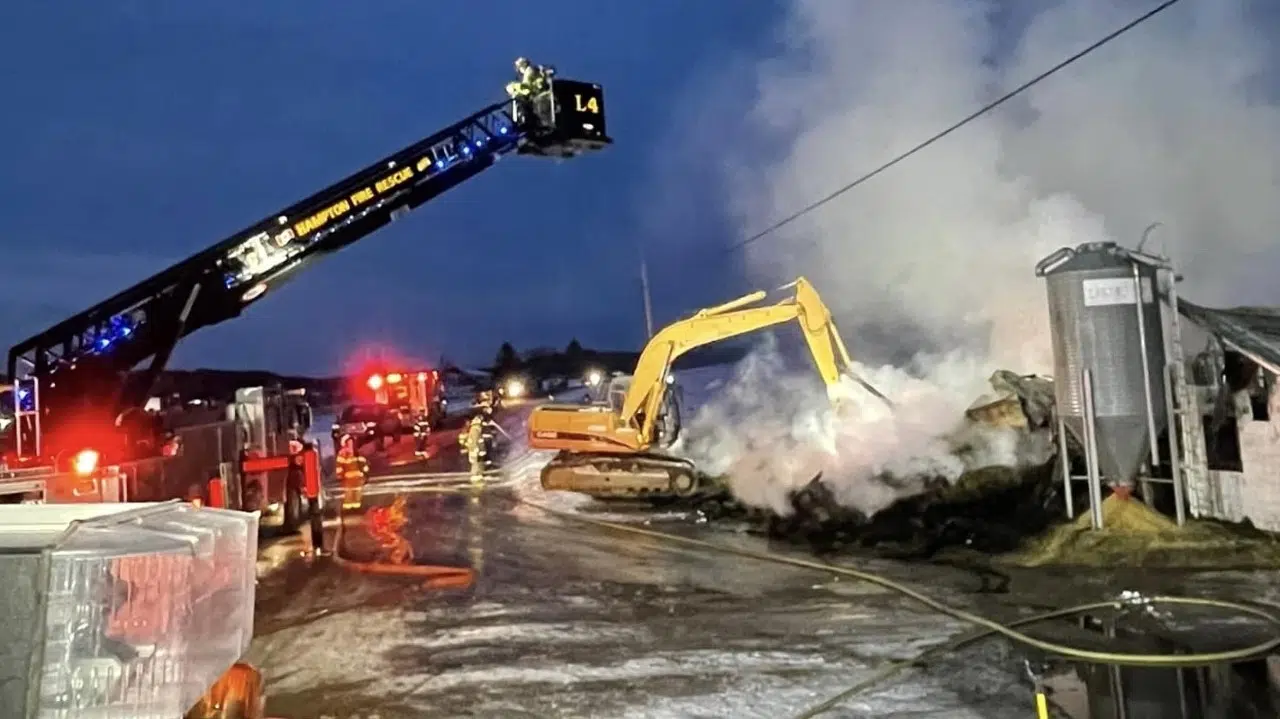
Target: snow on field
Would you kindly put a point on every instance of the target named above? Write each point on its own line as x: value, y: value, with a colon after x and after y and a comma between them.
x: 699, y: 385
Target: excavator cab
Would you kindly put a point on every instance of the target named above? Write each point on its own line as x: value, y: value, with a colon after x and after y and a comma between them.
x: 668, y: 422
x: 566, y: 120
x: 618, y: 388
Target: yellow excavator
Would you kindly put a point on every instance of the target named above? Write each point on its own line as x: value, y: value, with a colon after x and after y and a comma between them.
x: 614, y: 449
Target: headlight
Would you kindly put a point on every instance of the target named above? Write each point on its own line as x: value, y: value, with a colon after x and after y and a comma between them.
x: 594, y: 378
x: 515, y: 388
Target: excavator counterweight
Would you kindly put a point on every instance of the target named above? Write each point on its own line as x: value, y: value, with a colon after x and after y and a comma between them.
x: 616, y: 450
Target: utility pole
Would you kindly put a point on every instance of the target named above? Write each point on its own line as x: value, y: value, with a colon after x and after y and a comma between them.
x: 648, y: 304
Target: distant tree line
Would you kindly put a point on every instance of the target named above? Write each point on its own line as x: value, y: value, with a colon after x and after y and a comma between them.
x: 575, y: 360
x: 571, y: 361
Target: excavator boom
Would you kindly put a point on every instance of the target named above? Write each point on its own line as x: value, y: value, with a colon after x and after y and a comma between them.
x: 609, y: 451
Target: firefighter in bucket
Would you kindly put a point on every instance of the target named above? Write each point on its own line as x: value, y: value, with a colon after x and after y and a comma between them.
x: 532, y: 82
x: 352, y: 471
x: 535, y: 80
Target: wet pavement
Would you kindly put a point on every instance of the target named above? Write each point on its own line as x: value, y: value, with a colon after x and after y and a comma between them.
x: 557, y: 621
x: 447, y: 599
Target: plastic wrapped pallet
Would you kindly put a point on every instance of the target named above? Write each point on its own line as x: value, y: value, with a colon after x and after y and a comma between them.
x: 121, y: 610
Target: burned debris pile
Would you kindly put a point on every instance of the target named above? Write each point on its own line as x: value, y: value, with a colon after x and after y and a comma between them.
x: 1013, y: 514
x: 990, y: 508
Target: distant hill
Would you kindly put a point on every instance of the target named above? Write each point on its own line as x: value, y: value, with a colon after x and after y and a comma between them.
x: 560, y: 363
x: 221, y: 384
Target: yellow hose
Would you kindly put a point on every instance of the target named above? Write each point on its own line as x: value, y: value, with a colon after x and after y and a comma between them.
x: 989, y: 626
x: 919, y: 660
x: 1042, y: 705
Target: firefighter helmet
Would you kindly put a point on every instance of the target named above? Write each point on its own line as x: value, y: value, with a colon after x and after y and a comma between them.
x: 521, y: 63
x: 346, y: 444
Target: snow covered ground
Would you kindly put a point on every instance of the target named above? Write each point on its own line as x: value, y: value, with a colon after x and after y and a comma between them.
x: 570, y: 621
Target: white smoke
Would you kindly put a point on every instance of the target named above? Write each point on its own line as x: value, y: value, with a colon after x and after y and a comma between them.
x: 1174, y: 122
x: 772, y: 430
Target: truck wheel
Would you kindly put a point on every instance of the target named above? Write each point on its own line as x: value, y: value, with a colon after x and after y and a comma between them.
x: 317, y: 525
x: 292, y: 511
x: 683, y: 484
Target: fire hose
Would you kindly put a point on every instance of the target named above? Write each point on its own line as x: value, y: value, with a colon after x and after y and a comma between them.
x: 435, y: 576
x: 987, y: 627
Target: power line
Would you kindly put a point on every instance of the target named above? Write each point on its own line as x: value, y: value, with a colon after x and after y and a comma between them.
x: 984, y: 110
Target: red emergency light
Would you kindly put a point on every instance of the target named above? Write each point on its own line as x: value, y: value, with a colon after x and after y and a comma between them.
x: 394, y: 378
x: 85, y: 462
x: 375, y: 382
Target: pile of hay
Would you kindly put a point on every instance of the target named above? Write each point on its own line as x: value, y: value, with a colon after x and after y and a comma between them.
x: 1134, y: 535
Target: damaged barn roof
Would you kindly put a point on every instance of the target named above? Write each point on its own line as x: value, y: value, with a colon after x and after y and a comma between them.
x: 1252, y: 331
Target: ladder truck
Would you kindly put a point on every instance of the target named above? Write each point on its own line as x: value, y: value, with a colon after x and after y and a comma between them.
x: 77, y: 389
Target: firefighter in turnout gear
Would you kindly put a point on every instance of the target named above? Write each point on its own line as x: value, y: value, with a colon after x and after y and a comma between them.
x: 353, y: 472
x: 476, y: 439
x: 533, y: 80
x: 473, y: 444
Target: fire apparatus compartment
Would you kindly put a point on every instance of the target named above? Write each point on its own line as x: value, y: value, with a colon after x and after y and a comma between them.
x: 121, y: 610
x: 269, y: 420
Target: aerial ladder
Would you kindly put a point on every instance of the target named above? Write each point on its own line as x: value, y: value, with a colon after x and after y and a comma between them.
x: 617, y: 449
x: 75, y: 384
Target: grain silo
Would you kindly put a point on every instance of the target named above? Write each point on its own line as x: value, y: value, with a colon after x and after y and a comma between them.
x: 1108, y: 337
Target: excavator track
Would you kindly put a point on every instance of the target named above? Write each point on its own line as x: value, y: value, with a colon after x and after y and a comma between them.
x: 624, y: 476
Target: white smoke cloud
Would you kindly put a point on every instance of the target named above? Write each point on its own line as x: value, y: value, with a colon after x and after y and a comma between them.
x: 772, y: 430
x: 1174, y: 122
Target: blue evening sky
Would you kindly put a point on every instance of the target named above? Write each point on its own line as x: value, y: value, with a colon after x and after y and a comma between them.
x: 137, y: 132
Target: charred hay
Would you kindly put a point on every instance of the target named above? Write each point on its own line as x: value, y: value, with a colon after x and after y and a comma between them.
x: 1014, y: 516
x: 992, y: 510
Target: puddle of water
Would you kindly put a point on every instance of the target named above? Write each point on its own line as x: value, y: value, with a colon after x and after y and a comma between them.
x: 1244, y: 690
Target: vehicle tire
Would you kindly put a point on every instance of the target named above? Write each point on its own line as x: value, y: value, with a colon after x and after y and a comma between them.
x: 293, y: 513
x: 683, y: 484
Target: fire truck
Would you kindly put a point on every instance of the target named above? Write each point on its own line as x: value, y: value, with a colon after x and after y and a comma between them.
x: 390, y: 405
x: 419, y: 395
x: 78, y: 387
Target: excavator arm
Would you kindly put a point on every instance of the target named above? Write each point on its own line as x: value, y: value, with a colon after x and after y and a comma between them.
x: 606, y: 452
x: 732, y: 319
x: 633, y: 426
